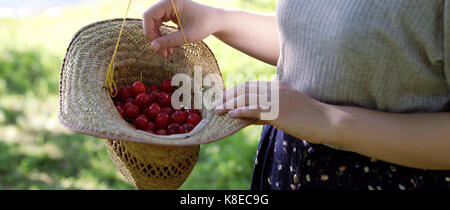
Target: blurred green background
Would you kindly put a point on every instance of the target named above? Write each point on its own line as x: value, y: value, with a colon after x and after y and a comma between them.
x: 36, y: 152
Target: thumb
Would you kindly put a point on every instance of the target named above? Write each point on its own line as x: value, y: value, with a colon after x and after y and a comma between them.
x: 171, y: 40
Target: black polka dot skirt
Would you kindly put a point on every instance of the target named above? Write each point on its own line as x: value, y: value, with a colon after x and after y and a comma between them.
x: 284, y: 162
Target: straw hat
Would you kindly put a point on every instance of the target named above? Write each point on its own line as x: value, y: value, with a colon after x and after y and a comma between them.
x: 86, y: 106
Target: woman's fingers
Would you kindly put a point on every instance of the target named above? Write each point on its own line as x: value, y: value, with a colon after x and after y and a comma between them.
x: 243, y: 100
x: 242, y: 89
x: 164, y: 53
x: 152, y: 19
x: 163, y: 43
x: 248, y: 112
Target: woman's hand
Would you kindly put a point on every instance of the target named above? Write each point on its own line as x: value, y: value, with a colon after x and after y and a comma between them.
x: 419, y: 140
x: 298, y: 114
x: 198, y: 21
x: 255, y: 34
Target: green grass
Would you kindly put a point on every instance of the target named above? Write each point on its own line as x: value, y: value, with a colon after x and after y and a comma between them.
x: 36, y: 152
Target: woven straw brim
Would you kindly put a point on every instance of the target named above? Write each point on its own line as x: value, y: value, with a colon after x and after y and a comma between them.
x: 86, y: 106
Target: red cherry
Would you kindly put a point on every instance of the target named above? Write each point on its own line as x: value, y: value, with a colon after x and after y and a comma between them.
x: 151, y: 126
x: 193, y: 119
x: 142, y: 100
x: 173, y: 128
x: 164, y: 99
x: 167, y: 86
x: 141, y: 122
x: 161, y: 132
x: 130, y: 100
x: 167, y: 110
x: 131, y: 110
x: 162, y: 120
x: 152, y: 111
x: 153, y: 88
x: 149, y: 131
x: 193, y: 111
x: 178, y: 117
x: 120, y: 110
x: 125, y: 92
x: 137, y: 88
x: 186, y: 128
x: 153, y: 96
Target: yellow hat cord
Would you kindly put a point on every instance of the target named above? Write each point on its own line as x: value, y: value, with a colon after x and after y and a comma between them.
x: 109, y: 83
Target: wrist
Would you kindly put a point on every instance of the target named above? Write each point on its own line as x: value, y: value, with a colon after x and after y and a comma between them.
x: 335, y: 122
x: 221, y: 18
x: 209, y: 19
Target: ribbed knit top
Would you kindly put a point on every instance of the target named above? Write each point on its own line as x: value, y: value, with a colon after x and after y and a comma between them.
x: 388, y: 55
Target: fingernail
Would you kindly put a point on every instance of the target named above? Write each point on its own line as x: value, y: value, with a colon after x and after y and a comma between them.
x: 232, y: 113
x: 218, y: 102
x: 219, y: 109
x: 156, y: 46
x: 218, y: 105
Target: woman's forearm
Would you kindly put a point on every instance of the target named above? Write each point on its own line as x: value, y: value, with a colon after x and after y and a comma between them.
x: 413, y: 140
x: 255, y: 34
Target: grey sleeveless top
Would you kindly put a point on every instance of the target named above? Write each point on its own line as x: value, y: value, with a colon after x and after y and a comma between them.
x: 388, y: 55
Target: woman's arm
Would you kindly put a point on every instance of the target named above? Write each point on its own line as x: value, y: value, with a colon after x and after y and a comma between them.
x: 252, y: 33
x: 255, y: 34
x: 412, y: 140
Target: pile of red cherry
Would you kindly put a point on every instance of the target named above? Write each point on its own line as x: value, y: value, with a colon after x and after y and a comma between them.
x: 150, y: 109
